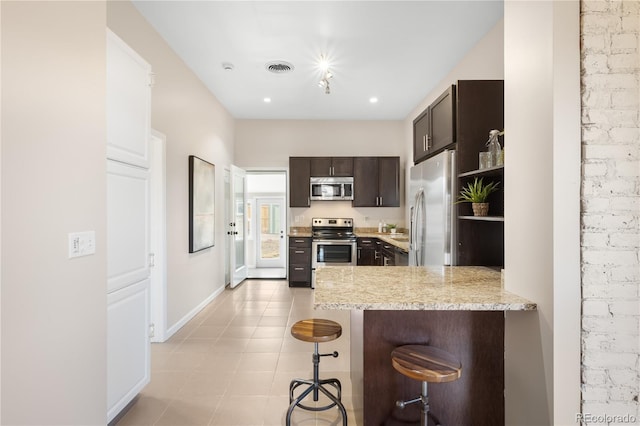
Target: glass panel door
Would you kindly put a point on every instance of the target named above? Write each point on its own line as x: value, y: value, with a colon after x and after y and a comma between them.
x: 238, y: 225
x: 270, y: 220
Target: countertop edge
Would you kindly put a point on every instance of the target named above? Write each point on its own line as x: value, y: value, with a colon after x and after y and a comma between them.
x: 427, y: 307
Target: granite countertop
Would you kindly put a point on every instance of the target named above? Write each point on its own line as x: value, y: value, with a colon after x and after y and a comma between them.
x: 464, y: 288
x: 397, y: 240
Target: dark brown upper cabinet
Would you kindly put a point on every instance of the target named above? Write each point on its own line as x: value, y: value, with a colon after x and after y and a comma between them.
x: 435, y: 129
x: 376, y: 182
x: 331, y: 166
x: 299, y: 175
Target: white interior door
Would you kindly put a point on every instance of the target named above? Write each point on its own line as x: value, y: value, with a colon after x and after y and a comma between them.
x: 270, y: 237
x: 228, y: 241
x: 128, y: 224
x: 238, y: 226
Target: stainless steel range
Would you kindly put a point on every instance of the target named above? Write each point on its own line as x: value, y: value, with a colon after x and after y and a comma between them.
x: 333, y: 243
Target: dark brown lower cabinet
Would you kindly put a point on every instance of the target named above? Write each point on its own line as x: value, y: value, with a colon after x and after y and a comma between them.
x: 299, y: 262
x: 367, y: 252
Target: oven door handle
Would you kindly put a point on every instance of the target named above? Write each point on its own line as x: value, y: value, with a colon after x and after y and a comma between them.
x: 334, y: 242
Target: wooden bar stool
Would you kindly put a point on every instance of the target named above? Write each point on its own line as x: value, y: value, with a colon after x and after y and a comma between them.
x: 429, y: 365
x: 316, y: 331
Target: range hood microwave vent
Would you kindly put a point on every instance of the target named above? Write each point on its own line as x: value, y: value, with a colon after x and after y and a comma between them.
x: 331, y: 188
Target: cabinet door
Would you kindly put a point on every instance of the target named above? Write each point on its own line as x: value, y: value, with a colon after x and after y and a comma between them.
x: 128, y: 347
x: 365, y: 181
x: 342, y: 166
x: 320, y: 166
x: 299, y: 175
x: 442, y: 121
x: 128, y: 104
x: 389, y: 181
x: 480, y: 108
x: 366, y: 252
x: 420, y: 135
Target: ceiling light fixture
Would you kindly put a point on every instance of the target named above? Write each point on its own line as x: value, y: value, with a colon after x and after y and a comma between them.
x: 373, y: 100
x: 267, y: 100
x: 326, y: 75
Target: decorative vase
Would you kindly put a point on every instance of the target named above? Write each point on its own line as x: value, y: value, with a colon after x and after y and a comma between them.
x: 480, y: 209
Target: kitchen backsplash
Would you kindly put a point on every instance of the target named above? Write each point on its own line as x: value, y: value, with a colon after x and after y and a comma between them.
x: 362, y: 217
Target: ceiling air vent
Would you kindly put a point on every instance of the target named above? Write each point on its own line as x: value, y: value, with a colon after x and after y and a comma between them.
x: 279, y: 67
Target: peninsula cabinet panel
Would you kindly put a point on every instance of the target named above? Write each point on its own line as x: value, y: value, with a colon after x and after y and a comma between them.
x: 476, y: 338
x: 376, y: 182
x: 299, y: 175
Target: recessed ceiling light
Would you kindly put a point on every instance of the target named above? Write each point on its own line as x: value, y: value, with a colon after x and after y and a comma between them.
x: 373, y: 100
x: 267, y: 100
x: 227, y: 66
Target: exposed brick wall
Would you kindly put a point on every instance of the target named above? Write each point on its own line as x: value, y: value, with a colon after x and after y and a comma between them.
x: 610, y: 33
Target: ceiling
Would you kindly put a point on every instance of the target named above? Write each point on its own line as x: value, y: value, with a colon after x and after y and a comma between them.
x: 395, y: 51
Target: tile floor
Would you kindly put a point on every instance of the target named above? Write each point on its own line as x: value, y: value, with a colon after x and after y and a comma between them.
x: 232, y: 363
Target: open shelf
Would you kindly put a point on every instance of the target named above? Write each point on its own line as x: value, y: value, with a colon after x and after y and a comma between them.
x: 489, y: 171
x: 483, y: 218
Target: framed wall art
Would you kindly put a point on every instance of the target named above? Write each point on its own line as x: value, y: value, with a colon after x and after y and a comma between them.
x: 202, y: 184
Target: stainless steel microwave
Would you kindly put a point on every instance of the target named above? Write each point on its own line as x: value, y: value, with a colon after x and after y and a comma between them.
x: 331, y: 188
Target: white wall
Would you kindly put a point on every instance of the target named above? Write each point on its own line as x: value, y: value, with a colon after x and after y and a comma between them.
x: 542, y: 122
x: 611, y: 208
x: 54, y: 182
x: 485, y: 61
x: 195, y: 123
x: 270, y: 143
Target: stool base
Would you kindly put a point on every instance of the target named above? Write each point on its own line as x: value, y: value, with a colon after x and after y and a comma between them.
x: 424, y: 400
x: 316, y: 386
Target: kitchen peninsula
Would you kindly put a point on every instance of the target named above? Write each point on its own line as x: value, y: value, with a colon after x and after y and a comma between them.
x: 459, y: 309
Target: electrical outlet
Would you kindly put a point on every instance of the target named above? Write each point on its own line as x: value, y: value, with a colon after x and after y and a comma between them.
x: 82, y: 243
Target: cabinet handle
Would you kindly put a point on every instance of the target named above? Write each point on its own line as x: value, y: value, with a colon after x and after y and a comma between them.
x: 299, y: 252
x: 298, y: 269
x: 429, y: 139
x: 381, y: 203
x: 366, y: 241
x: 299, y: 241
x: 424, y: 142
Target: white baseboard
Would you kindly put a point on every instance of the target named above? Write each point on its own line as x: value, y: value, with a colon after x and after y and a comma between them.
x: 181, y: 323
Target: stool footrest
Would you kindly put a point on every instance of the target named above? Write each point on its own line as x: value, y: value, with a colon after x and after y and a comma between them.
x: 316, y: 386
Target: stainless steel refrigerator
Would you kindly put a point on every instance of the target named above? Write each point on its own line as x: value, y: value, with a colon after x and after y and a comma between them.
x: 432, y: 194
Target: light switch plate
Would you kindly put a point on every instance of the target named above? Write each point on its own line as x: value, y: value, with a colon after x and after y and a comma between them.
x: 82, y: 243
